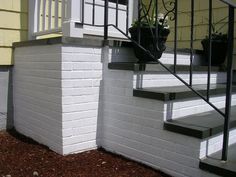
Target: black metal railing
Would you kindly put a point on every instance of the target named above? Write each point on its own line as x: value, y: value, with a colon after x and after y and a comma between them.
x: 142, y: 13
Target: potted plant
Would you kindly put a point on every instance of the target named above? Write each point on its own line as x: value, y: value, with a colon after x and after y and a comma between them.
x: 219, y: 45
x: 149, y: 40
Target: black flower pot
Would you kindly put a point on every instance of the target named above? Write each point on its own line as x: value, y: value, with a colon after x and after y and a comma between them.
x: 148, y: 42
x: 219, y: 51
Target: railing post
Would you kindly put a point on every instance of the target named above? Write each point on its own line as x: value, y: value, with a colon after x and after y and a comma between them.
x: 33, y: 19
x: 106, y: 20
x: 210, y: 51
x: 175, y: 35
x: 73, y: 22
x: 229, y: 84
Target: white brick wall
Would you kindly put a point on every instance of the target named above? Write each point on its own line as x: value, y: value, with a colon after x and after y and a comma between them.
x: 81, y: 77
x: 37, y: 94
x: 163, y: 79
x: 57, y: 95
x: 66, y: 98
x: 133, y: 126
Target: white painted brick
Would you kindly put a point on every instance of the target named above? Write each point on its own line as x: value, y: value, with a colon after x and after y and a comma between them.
x: 97, y: 82
x: 53, y: 74
x: 133, y: 110
x: 80, y: 91
x: 40, y: 65
x: 79, y: 50
x: 38, y: 80
x: 87, y: 66
x: 79, y: 115
x: 66, y: 66
x: 79, y: 123
x: 80, y: 107
x: 79, y: 139
x: 117, y: 117
x: 84, y: 130
x: 77, y: 83
x: 76, y: 148
x: 81, y: 74
x: 33, y: 59
x: 68, y: 100
x: 81, y: 57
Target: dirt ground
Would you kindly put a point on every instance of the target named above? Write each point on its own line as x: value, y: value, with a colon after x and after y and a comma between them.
x: 23, y: 157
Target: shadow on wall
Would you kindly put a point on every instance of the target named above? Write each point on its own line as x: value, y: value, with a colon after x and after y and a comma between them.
x: 10, y: 113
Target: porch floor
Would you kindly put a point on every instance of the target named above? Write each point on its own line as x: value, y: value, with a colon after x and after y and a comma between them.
x: 215, y: 165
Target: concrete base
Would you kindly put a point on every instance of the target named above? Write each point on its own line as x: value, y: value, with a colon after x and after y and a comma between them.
x: 5, y: 98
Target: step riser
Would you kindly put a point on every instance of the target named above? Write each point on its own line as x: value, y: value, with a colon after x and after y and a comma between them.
x: 214, y: 144
x: 142, y: 80
x: 180, y: 108
x: 118, y: 54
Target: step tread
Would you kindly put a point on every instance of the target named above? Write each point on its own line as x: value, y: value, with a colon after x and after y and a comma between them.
x: 154, y: 66
x: 178, y: 92
x: 202, y: 125
x: 213, y: 163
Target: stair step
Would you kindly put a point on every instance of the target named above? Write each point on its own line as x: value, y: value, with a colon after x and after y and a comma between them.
x: 201, y: 125
x: 178, y: 92
x: 154, y: 66
x: 214, y: 165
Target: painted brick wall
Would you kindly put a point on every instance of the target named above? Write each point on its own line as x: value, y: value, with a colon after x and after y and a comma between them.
x: 37, y: 94
x: 81, y: 97
x: 133, y: 127
x: 57, y: 95
x: 5, y: 97
x: 66, y: 98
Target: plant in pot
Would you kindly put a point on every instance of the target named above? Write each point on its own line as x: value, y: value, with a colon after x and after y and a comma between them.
x: 153, y: 32
x: 219, y: 44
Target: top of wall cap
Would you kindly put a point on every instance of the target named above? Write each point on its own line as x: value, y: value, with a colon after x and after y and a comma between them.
x: 72, y: 41
x: 48, y: 41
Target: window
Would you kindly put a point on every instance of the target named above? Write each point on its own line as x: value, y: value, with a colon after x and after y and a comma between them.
x: 124, y: 2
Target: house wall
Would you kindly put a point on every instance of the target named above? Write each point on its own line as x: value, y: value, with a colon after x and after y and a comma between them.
x: 13, y: 27
x: 220, y: 11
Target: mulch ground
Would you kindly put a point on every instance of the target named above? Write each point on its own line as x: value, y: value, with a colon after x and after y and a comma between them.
x: 23, y: 157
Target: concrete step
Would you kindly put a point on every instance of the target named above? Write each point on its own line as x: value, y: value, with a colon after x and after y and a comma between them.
x: 214, y: 165
x: 156, y: 67
x: 202, y: 125
x: 180, y: 101
x: 178, y: 92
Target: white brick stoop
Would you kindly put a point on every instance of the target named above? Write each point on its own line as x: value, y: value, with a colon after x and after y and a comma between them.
x: 133, y: 126
x: 66, y: 98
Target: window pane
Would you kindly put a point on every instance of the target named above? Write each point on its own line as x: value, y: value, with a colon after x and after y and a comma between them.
x: 119, y: 1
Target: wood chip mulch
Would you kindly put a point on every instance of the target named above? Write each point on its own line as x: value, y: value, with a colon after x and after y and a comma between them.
x: 22, y: 157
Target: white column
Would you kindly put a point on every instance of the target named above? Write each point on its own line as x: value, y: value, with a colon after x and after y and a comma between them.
x: 33, y: 19
x: 73, y: 15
